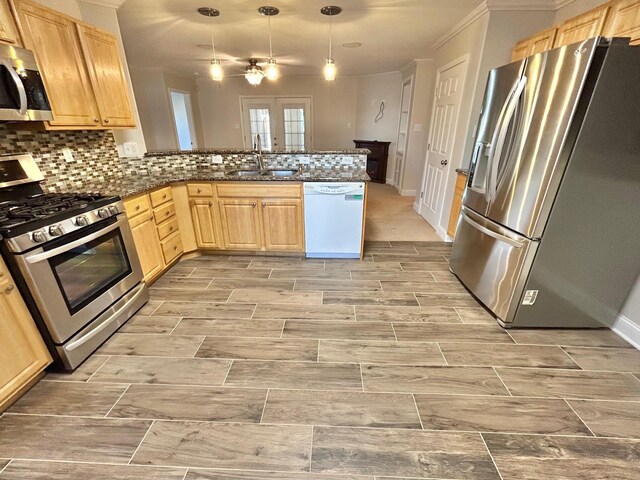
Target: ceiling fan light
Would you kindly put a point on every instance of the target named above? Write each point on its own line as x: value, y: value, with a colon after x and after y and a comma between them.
x: 254, y: 73
x: 330, y: 70
x: 271, y: 71
x: 216, y: 70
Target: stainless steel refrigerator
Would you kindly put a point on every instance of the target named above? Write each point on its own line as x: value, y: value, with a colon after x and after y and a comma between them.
x: 549, y: 232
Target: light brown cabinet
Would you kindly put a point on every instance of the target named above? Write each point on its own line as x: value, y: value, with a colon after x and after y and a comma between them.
x: 537, y: 43
x: 8, y: 30
x: 283, y: 223
x: 203, y: 214
x: 80, y: 66
x: 240, y: 219
x: 587, y: 25
x: 148, y: 245
x: 23, y: 354
x: 624, y: 21
x: 107, y: 76
x: 54, y: 39
x: 456, y: 205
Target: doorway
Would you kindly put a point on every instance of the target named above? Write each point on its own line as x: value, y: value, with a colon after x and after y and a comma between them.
x: 183, y: 119
x: 444, y: 121
x: 283, y: 123
x: 403, y: 133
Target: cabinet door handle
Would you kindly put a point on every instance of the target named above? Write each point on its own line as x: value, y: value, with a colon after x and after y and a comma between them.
x: 9, y: 288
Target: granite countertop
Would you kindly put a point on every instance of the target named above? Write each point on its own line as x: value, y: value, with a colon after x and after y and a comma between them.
x: 126, y: 186
x: 231, y: 151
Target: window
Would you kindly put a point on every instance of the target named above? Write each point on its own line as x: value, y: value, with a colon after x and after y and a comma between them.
x: 294, y: 128
x: 260, y: 124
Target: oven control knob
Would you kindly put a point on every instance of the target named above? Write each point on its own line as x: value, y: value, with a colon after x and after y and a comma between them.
x: 103, y: 213
x: 82, y: 221
x: 39, y: 236
x: 55, y: 230
x: 113, y: 210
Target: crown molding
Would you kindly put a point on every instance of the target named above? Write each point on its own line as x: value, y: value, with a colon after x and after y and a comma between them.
x: 522, y: 4
x: 474, y: 15
x: 563, y: 3
x: 105, y: 3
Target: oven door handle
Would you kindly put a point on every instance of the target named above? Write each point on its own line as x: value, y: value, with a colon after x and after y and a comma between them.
x: 22, y: 93
x: 39, y: 257
x: 85, y: 338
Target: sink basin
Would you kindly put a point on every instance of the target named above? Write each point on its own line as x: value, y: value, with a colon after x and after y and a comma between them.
x: 246, y: 173
x: 279, y: 173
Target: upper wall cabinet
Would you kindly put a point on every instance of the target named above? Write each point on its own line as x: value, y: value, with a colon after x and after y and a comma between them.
x: 8, y: 31
x: 107, y: 76
x: 80, y: 66
x: 625, y: 21
x: 587, y: 25
x: 538, y: 43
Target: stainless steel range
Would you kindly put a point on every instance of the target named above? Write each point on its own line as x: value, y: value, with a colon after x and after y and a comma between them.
x: 73, y: 258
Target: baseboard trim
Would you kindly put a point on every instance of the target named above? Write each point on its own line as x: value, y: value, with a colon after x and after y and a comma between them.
x: 627, y: 329
x: 442, y: 233
x: 407, y: 193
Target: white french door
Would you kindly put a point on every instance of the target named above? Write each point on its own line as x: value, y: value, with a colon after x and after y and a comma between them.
x: 284, y: 123
x: 403, y: 132
x: 444, y: 120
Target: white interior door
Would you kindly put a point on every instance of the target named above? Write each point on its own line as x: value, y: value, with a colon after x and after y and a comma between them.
x: 443, y: 131
x: 259, y: 117
x: 294, y: 124
x: 183, y: 119
x: 403, y: 132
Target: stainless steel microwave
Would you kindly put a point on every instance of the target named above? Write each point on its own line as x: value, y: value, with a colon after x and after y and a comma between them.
x: 22, y: 93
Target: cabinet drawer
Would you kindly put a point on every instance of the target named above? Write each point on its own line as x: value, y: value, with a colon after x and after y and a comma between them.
x: 171, y: 247
x: 164, y: 212
x: 200, y: 189
x: 158, y: 197
x: 137, y: 205
x: 259, y: 189
x: 167, y: 228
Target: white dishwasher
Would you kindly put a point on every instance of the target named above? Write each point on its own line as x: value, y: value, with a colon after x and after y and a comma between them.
x: 333, y: 219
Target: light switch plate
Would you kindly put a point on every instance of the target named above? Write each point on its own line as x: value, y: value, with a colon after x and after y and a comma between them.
x: 347, y: 160
x: 417, y: 127
x: 216, y: 159
x: 68, y: 154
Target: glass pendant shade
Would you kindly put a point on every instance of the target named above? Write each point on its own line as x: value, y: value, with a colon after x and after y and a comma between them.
x: 271, y: 72
x: 216, y: 70
x: 330, y: 70
x: 254, y: 73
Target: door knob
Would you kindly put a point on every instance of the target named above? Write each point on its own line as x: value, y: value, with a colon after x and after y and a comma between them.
x: 444, y: 162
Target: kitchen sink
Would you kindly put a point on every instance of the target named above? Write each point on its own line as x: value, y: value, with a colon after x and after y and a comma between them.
x: 247, y: 173
x: 279, y: 173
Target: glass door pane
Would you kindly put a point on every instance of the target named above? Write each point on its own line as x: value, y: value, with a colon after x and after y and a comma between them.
x: 294, y: 123
x: 258, y: 118
x: 260, y: 124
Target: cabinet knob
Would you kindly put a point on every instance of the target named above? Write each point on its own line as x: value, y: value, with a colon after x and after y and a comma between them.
x: 137, y: 207
x: 96, y: 120
x: 9, y: 288
x: 211, y: 204
x: 164, y: 196
x: 175, y: 247
x: 254, y: 204
x: 264, y: 204
x: 199, y: 190
x: 167, y: 214
x: 106, y: 120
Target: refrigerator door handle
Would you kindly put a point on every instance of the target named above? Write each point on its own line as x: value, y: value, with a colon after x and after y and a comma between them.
x: 491, y: 233
x: 499, y: 144
x: 495, y: 139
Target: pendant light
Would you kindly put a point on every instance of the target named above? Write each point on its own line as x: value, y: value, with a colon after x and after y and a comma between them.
x: 216, y: 71
x: 330, y: 65
x: 254, y: 73
x: 271, y: 71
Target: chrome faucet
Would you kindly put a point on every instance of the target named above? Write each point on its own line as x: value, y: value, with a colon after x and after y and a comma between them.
x: 258, y: 148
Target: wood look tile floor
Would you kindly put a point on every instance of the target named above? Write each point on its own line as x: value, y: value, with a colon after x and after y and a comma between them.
x: 256, y: 368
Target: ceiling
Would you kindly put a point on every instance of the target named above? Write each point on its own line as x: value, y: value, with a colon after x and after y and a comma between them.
x: 166, y: 33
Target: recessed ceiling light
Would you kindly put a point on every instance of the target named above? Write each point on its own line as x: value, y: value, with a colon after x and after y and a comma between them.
x: 352, y: 45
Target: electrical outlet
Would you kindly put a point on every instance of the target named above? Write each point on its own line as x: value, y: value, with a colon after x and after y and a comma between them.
x: 347, y: 161
x: 68, y: 154
x: 417, y: 127
x: 130, y: 149
x: 216, y: 159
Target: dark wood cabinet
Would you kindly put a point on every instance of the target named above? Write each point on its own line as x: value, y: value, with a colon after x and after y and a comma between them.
x: 377, y: 159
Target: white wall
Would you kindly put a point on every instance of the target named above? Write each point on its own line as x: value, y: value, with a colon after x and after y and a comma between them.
x: 333, y: 108
x: 628, y: 323
x: 186, y: 85
x: 373, y: 89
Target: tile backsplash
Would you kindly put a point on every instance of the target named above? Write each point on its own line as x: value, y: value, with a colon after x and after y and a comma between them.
x: 94, y: 152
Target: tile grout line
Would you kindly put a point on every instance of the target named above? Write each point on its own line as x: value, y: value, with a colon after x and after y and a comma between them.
x: 394, y: 331
x: 106, y: 415
x: 264, y: 406
x: 254, y: 311
x: 97, y: 369
x: 318, y: 356
x: 361, y: 376
x: 570, y: 357
x: 141, y: 441
x: 455, y: 309
x: 156, y: 309
x: 311, y: 449
x: 204, y: 337
x: 446, y: 362
x: 415, y: 403
x: 284, y: 323
x: 506, y: 330
x: 490, y: 455
x: 502, y: 381
x: 5, y: 467
x: 227, y: 374
x: 186, y: 472
x: 579, y: 417
x: 174, y: 328
x: 229, y: 297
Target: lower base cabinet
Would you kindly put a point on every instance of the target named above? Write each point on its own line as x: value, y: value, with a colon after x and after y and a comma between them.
x: 23, y: 354
x: 283, y: 222
x: 203, y: 215
x: 240, y: 224
x: 148, y: 245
